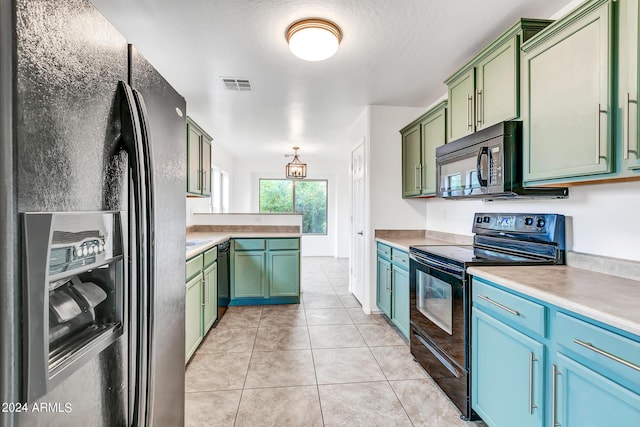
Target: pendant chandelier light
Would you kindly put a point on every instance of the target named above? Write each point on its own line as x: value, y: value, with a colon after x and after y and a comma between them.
x: 296, y: 169
x: 313, y: 39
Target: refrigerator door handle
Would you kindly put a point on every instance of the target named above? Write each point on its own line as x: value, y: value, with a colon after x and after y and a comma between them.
x: 134, y: 144
x: 149, y: 189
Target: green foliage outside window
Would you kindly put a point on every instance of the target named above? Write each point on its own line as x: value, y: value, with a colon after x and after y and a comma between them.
x: 307, y: 197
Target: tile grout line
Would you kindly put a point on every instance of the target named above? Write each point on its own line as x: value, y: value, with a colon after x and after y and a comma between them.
x: 235, y: 420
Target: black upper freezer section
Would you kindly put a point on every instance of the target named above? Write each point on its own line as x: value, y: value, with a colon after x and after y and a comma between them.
x: 69, y: 61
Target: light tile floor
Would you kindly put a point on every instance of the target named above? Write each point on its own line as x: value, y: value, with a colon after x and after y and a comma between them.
x: 323, y: 362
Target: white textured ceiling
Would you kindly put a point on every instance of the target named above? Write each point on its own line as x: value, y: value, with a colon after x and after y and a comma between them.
x: 393, y: 52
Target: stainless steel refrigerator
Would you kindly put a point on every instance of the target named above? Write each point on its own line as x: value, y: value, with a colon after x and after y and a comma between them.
x: 88, y: 125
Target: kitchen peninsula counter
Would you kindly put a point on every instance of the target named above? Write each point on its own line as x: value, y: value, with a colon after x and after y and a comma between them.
x: 210, y: 239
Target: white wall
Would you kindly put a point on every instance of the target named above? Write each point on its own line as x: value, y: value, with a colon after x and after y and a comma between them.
x: 249, y: 170
x: 378, y: 126
x: 604, y: 218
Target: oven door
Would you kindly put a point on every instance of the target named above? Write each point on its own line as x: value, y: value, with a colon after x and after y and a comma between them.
x: 439, y: 314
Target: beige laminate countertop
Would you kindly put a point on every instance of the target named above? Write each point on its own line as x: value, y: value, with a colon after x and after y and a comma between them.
x: 609, y: 299
x: 404, y: 243
x: 211, y: 238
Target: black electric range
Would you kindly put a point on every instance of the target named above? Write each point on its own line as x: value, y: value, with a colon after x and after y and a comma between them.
x: 440, y: 290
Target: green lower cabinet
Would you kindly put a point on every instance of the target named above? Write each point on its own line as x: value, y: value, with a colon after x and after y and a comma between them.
x: 507, y: 374
x: 284, y: 273
x: 383, y: 283
x: 249, y: 274
x: 210, y: 297
x: 585, y: 398
x: 400, y: 309
x: 265, y: 271
x: 193, y: 313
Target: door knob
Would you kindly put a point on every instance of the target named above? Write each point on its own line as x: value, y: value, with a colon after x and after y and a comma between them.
x: 361, y: 233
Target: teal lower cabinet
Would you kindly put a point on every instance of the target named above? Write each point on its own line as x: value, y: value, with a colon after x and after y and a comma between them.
x: 265, y: 271
x: 249, y: 269
x: 400, y: 300
x: 507, y: 385
x: 586, y: 398
x: 383, y: 285
x: 392, y: 286
x: 536, y: 364
x: 284, y: 273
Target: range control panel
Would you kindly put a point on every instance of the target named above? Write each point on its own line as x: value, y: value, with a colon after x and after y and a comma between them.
x: 501, y: 223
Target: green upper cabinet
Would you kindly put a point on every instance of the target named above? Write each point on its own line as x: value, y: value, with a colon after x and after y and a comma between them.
x: 434, y: 134
x: 628, y: 113
x: 461, y: 107
x: 411, y: 162
x: 419, y: 141
x: 486, y: 90
x: 567, y: 100
x: 198, y: 160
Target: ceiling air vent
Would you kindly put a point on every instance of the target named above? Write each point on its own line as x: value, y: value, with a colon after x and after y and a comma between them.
x: 236, y: 84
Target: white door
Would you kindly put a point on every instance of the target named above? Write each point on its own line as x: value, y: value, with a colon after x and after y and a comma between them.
x: 357, y: 224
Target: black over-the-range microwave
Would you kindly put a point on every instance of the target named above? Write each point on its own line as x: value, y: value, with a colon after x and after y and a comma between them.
x: 487, y: 165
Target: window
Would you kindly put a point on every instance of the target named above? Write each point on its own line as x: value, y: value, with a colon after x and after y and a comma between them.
x: 308, y: 197
x: 219, y: 191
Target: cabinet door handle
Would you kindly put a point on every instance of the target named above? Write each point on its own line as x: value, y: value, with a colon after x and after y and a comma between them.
x: 532, y: 359
x: 199, y: 180
x: 204, y: 180
x: 627, y: 105
x: 478, y: 107
x: 598, y: 137
x: 204, y: 290
x: 388, y: 280
x: 416, y: 180
x: 469, y: 111
x: 601, y: 352
x: 554, y: 386
x: 497, y: 304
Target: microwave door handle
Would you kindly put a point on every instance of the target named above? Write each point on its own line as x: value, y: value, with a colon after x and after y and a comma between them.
x: 483, y: 151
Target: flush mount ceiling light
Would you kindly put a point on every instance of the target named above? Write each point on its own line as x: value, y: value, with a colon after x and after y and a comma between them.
x: 296, y: 169
x: 313, y: 39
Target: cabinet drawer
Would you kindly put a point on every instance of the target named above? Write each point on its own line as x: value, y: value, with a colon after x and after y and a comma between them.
x: 384, y: 250
x: 399, y: 258
x: 194, y: 267
x: 514, y: 309
x: 249, y: 244
x: 210, y: 256
x: 603, y: 348
x: 283, y: 244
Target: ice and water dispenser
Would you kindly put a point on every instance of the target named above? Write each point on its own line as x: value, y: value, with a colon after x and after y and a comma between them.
x: 74, y: 292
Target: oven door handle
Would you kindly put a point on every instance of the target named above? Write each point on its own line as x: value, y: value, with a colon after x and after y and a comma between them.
x: 439, y: 356
x: 440, y: 266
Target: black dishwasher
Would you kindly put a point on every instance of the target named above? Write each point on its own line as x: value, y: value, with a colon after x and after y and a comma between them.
x: 224, y: 284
